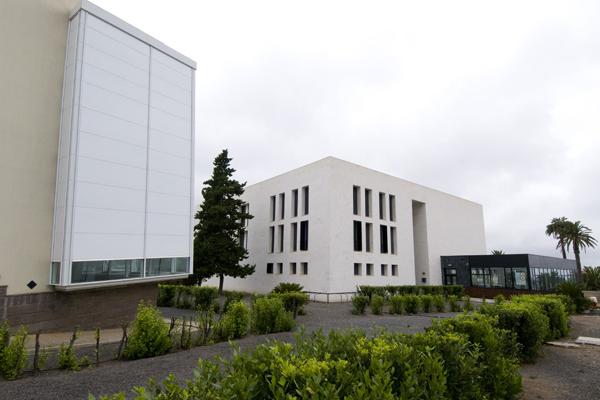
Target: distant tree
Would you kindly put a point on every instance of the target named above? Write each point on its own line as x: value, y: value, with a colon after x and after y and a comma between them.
x: 497, y: 252
x: 580, y: 238
x: 591, y: 278
x: 557, y: 229
x: 221, y: 222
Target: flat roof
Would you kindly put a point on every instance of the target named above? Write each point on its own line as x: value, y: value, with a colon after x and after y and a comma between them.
x: 131, y: 30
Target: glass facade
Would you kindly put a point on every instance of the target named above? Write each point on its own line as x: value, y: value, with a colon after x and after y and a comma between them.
x: 55, y: 273
x: 167, y: 266
x: 106, y: 270
x: 517, y: 278
x: 549, y: 278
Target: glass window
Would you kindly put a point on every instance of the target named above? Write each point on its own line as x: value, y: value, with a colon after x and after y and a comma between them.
x: 369, y: 237
x: 369, y: 269
x: 55, y: 273
x: 280, y: 229
x: 357, y: 236
x: 520, y: 278
x: 381, y: 205
x: 293, y: 268
x: 273, y: 200
x: 356, y: 200
x: 368, y: 202
x: 271, y: 239
x: 392, y: 201
x: 281, y: 205
x: 294, y: 236
x: 166, y: 266
x: 93, y: 271
x: 394, y: 270
x: 304, y: 266
x: 384, y: 268
x: 280, y: 268
x: 304, y: 235
x: 497, y: 278
x: 383, y: 239
x: 305, y: 200
x: 357, y: 269
x: 393, y: 249
x: 295, y: 203
x: 269, y: 268
x: 449, y: 276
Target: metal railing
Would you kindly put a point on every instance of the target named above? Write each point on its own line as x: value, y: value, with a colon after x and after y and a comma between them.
x: 328, y: 297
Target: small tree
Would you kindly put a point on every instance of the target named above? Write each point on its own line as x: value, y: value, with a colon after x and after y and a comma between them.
x: 580, y: 237
x: 557, y: 229
x: 221, y: 222
x: 497, y: 252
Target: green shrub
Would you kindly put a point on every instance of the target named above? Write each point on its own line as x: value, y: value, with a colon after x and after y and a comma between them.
x: 396, y: 304
x: 554, y: 309
x: 149, y: 336
x: 13, y: 355
x: 389, y: 291
x: 439, y: 303
x: 377, y: 304
x: 284, y: 287
x: 575, y: 292
x: 412, y: 303
x: 467, y: 305
x: 230, y: 297
x: 204, y: 296
x: 269, y: 316
x: 565, y: 300
x: 166, y: 295
x: 527, y: 321
x: 292, y: 301
x: 427, y: 302
x: 359, y: 304
x: 67, y: 359
x: 453, y: 303
x: 235, y: 322
x: 499, y: 299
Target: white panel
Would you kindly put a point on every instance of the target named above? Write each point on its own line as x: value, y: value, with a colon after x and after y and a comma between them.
x: 164, y: 183
x: 166, y: 203
x: 96, y: 122
x: 106, y: 173
x: 167, y: 123
x: 109, y: 197
x: 167, y: 74
x: 170, y: 144
x: 100, y: 99
x: 171, y: 106
x: 172, y: 64
x: 101, y: 148
x: 96, y: 220
x: 167, y: 246
x: 167, y: 224
x: 170, y: 164
x: 112, y: 246
x: 115, y: 65
x: 171, y: 91
x: 116, y: 83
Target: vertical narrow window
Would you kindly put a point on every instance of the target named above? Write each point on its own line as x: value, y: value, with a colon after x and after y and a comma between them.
x: 305, y: 200
x: 293, y: 268
x: 394, y: 270
x: 357, y: 269
x: 304, y: 267
x: 280, y: 268
x: 381, y: 205
x: 295, y: 203
x: 280, y: 237
x: 269, y: 268
x: 369, y: 269
x: 273, y: 199
x: 384, y: 270
x: 393, y: 249
x: 357, y: 236
x: 368, y: 202
x: 243, y: 232
x: 383, y: 242
x: 281, y: 205
x: 369, y: 237
x: 294, y: 237
x: 356, y: 200
x: 392, y: 205
x: 271, y: 239
x: 304, y: 235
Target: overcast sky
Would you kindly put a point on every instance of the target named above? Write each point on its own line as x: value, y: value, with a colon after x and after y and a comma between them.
x: 496, y: 102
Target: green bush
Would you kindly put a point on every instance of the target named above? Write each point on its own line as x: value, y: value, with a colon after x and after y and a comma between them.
x: 467, y: 305
x: 527, y: 321
x: 389, y: 291
x: 284, y: 287
x: 554, y: 309
x: 149, y: 335
x: 499, y: 299
x: 359, y: 304
x: 453, y: 303
x: 427, y: 302
x: 166, y: 295
x: 13, y: 355
x: 412, y: 303
x: 292, y: 301
x: 230, y: 297
x: 204, y: 296
x: 396, y: 304
x: 439, y: 303
x: 377, y: 304
x: 269, y: 316
x: 235, y: 322
x: 575, y: 292
x: 67, y: 359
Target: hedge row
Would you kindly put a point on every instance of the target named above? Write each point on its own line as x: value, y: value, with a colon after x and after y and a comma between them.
x: 388, y: 291
x: 467, y: 357
x: 411, y: 303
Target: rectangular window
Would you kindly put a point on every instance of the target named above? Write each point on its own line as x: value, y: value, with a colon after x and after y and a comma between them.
x: 369, y: 237
x: 356, y: 200
x: 280, y: 268
x: 273, y: 208
x: 55, y: 273
x: 271, y: 239
x: 383, y: 242
x: 304, y: 267
x: 280, y: 237
x: 368, y: 202
x: 281, y: 205
x: 304, y: 235
x: 294, y: 237
x: 293, y: 270
x: 449, y: 276
x: 393, y: 249
x: 394, y: 270
x: 392, y: 205
x: 305, y: 200
x: 295, y: 203
x: 369, y: 269
x: 357, y: 236
x: 381, y: 205
x: 269, y: 268
x: 384, y: 270
x: 164, y: 266
x: 106, y: 270
x: 243, y: 237
x: 357, y: 269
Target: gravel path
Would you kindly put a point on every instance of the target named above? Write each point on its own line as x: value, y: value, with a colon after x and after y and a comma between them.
x: 115, y: 376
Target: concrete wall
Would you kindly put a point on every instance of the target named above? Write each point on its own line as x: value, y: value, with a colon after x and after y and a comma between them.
x: 33, y: 38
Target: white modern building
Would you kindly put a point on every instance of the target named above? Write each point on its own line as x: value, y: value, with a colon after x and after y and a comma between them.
x: 103, y: 206
x: 332, y: 225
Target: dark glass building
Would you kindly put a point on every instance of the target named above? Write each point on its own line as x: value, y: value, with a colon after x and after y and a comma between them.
x: 507, y: 273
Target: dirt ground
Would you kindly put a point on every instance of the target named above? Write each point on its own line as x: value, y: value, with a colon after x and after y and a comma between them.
x: 566, y: 373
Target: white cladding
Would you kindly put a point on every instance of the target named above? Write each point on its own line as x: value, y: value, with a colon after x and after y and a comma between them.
x: 125, y: 168
x: 444, y: 225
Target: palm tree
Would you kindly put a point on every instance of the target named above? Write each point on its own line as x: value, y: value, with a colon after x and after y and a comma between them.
x: 556, y: 229
x: 591, y: 278
x: 497, y: 252
x: 580, y: 237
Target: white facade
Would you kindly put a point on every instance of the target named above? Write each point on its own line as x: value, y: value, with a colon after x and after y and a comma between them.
x: 421, y: 225
x: 124, y: 187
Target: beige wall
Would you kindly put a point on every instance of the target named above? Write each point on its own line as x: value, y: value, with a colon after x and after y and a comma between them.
x: 32, y: 40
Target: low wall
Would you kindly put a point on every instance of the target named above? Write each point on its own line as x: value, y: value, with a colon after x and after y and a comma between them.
x: 88, y: 309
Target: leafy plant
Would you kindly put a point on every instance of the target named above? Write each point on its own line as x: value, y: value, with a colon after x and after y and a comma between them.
x: 235, y: 322
x: 439, y: 303
x: 166, y: 295
x: 396, y: 304
x: 499, y: 299
x: 149, y: 335
x: 377, y: 304
x: 412, y: 303
x: 554, y: 309
x: 575, y: 292
x: 285, y: 287
x: 453, y: 303
x: 292, y: 301
x: 427, y: 302
x: 591, y: 278
x: 13, y: 355
x: 467, y: 305
x: 359, y: 304
x: 67, y: 359
x: 269, y: 316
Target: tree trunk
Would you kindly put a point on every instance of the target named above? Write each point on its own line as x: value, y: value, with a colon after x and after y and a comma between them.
x: 564, y: 253
x: 221, y: 280
x: 578, y: 262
